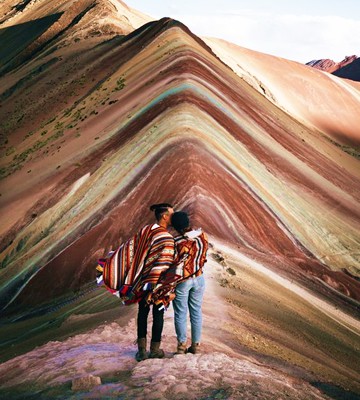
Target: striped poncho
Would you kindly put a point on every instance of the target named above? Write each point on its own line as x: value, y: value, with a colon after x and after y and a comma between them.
x: 193, y: 247
x: 191, y: 250
x: 138, y: 263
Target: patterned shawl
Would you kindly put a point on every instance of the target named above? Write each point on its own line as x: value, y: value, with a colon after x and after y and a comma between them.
x: 138, y: 263
x: 191, y: 250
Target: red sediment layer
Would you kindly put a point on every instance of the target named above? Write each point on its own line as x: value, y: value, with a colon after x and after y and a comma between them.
x: 255, y: 229
x: 188, y: 167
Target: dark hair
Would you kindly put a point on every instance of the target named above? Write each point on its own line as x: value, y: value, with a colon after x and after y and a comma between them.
x: 160, y: 209
x: 180, y: 221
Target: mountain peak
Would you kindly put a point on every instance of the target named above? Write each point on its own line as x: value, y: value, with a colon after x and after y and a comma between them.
x: 331, y: 66
x: 103, y: 113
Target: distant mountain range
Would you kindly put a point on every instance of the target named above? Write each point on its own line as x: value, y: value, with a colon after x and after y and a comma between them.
x: 348, y: 68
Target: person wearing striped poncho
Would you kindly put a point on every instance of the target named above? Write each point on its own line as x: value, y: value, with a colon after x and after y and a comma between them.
x: 133, y: 271
x: 158, y: 259
x: 183, y: 283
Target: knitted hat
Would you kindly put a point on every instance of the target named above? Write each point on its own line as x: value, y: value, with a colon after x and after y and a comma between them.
x: 180, y: 221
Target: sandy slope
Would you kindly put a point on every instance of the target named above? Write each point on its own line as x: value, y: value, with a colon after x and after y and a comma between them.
x: 238, y: 360
x: 330, y: 310
x: 321, y: 100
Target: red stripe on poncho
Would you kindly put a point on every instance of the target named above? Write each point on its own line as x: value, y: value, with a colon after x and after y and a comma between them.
x: 139, y: 261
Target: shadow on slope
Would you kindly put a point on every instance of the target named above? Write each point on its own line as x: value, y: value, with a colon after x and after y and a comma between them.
x: 15, y: 39
x: 350, y: 71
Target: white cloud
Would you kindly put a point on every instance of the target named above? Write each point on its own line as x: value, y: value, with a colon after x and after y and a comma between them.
x: 299, y: 31
x: 296, y: 37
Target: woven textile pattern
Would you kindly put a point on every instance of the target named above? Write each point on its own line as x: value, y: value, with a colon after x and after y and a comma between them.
x: 140, y: 260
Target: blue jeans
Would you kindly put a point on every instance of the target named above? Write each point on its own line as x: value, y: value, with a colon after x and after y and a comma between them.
x: 189, y: 295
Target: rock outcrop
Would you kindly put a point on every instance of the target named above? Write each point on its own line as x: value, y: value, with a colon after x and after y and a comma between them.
x: 330, y: 65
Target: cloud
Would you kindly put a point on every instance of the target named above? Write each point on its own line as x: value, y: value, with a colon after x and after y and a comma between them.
x: 296, y: 37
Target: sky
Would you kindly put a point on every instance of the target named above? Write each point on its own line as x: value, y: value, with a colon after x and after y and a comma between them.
x: 299, y: 30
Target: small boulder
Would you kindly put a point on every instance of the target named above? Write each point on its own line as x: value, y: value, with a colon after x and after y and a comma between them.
x: 218, y: 257
x: 230, y: 271
x: 85, y: 383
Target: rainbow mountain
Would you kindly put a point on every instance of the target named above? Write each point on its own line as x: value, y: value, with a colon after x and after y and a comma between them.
x: 105, y: 111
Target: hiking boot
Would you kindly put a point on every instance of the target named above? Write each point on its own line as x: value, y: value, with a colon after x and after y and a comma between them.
x: 194, y: 348
x: 141, y: 353
x: 155, y: 351
x: 181, y: 348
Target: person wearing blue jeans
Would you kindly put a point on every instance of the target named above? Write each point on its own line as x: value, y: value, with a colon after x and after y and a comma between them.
x: 191, y: 246
x: 189, y: 295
